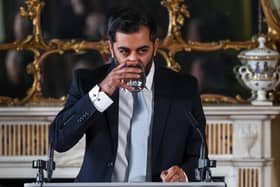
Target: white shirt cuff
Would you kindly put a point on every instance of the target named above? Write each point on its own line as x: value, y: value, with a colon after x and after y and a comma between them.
x: 99, y: 99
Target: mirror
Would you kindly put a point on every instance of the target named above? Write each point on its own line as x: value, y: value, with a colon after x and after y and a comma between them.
x: 271, y: 10
x: 14, y: 79
x: 13, y: 27
x: 89, y: 17
x: 212, y: 37
x: 215, y: 20
x: 232, y: 19
x: 214, y: 71
x: 275, y: 6
x: 57, y: 70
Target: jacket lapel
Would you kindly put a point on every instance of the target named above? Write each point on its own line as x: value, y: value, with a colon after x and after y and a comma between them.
x: 162, y: 101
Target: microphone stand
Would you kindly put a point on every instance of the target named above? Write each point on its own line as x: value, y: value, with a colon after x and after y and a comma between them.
x: 42, y: 165
x: 202, y: 173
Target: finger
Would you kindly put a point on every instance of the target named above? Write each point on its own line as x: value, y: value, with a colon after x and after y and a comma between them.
x: 129, y: 76
x: 124, y: 74
x: 128, y: 70
x: 174, y: 170
x: 116, y: 78
x: 118, y: 81
x: 120, y: 66
x: 180, y: 172
x: 163, y: 175
x: 168, y: 175
x: 121, y: 80
x: 175, y: 178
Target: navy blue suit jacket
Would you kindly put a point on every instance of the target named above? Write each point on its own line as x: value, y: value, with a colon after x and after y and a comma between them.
x: 174, y: 140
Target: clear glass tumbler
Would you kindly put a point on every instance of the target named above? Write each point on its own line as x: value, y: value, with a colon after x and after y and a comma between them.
x: 137, y: 84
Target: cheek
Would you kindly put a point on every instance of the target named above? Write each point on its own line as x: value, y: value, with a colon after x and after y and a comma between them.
x: 119, y: 59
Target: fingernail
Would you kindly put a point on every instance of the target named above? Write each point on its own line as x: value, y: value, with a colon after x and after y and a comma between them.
x: 123, y: 65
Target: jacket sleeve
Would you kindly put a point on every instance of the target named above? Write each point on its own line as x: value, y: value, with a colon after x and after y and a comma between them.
x: 72, y: 122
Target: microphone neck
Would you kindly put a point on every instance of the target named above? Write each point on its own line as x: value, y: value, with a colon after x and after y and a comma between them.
x: 196, y: 126
x: 50, y: 162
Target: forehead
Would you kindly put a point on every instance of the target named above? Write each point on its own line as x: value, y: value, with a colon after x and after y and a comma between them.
x: 136, y: 39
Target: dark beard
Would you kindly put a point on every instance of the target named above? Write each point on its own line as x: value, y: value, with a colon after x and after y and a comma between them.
x: 148, y: 67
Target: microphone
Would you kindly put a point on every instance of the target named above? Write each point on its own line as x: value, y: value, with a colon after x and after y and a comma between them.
x: 50, y: 166
x: 202, y: 173
x: 42, y: 165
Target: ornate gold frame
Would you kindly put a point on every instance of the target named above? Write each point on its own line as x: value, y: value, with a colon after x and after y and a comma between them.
x: 272, y: 22
x: 170, y: 45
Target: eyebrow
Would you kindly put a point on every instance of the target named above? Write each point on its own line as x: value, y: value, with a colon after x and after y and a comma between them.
x: 139, y: 48
x: 143, y: 47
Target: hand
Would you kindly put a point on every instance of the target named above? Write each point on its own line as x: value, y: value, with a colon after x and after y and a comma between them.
x: 173, y: 174
x: 115, y: 78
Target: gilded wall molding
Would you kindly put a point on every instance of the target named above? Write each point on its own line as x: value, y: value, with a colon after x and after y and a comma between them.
x: 170, y: 45
x: 220, y: 99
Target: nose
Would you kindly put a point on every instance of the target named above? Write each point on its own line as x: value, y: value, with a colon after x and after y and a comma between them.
x: 132, y: 59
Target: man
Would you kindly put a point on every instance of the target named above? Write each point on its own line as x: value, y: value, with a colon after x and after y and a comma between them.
x: 165, y: 147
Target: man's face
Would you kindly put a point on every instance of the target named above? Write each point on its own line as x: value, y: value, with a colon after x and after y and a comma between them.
x: 134, y: 47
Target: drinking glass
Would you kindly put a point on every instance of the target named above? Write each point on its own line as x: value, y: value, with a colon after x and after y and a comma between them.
x: 139, y: 83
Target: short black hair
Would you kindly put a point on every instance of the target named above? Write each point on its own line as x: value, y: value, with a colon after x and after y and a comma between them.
x: 129, y: 20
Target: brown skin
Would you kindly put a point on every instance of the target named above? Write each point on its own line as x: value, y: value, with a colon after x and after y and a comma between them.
x: 130, y: 49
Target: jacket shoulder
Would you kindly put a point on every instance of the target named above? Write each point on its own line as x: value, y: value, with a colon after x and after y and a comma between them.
x: 180, y: 79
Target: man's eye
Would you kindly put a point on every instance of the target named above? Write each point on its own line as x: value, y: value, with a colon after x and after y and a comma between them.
x: 123, y: 52
x: 142, y: 51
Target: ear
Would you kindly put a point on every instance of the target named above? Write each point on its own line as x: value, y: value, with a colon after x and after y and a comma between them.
x: 156, y: 44
x: 111, y: 48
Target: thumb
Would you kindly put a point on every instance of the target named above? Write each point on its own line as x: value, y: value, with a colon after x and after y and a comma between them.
x: 163, y: 174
